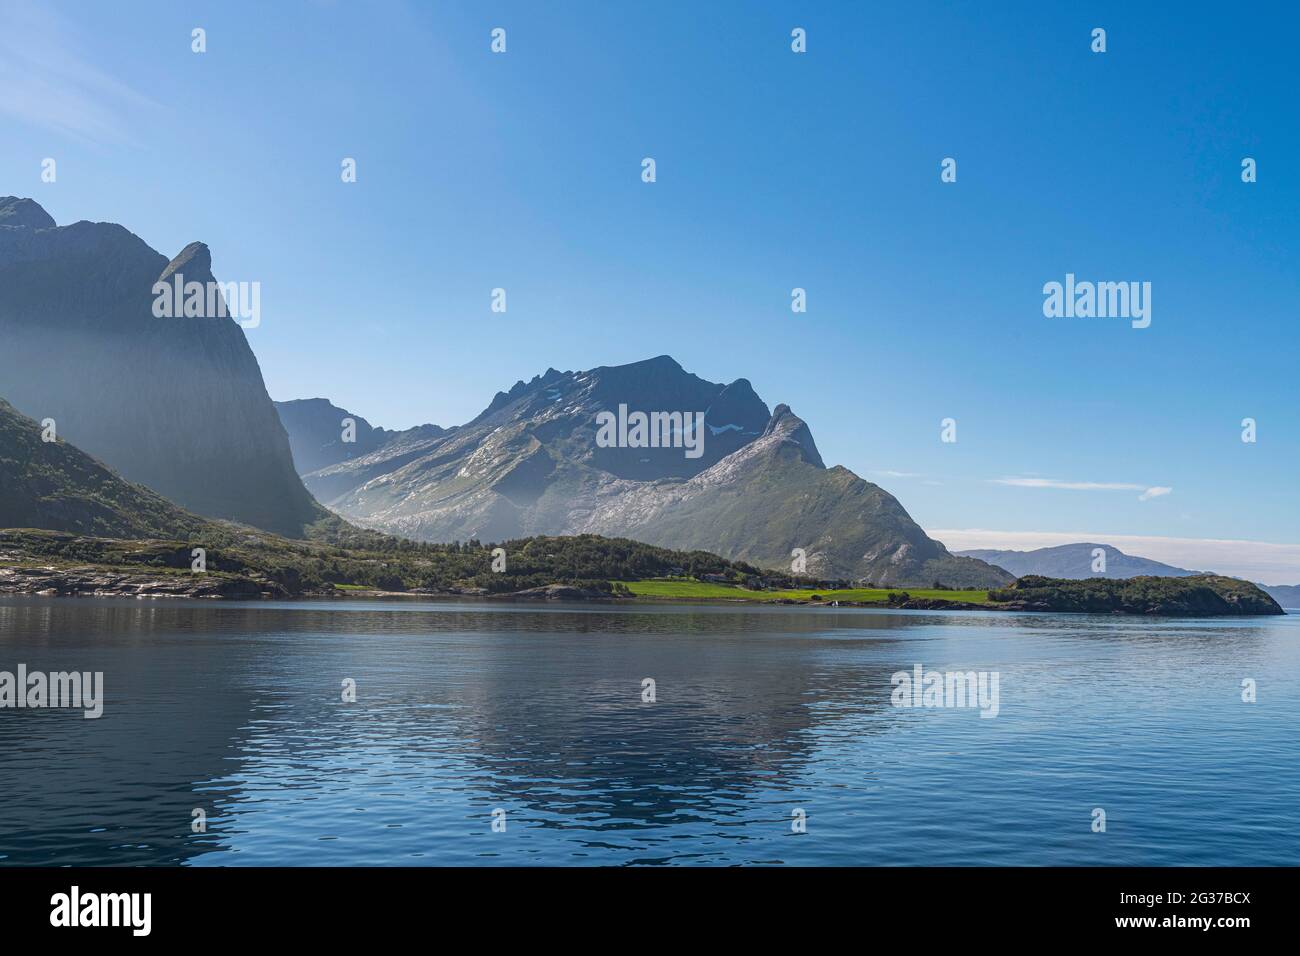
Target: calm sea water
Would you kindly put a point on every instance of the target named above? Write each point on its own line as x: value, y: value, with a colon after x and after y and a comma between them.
x: 465, y: 708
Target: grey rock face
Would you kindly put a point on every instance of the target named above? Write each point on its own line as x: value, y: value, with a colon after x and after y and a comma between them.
x: 93, y: 582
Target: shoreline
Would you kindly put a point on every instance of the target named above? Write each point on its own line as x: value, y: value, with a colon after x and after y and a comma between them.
x: 90, y: 582
x: 93, y: 583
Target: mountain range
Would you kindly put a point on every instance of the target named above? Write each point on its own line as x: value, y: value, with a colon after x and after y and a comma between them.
x: 162, y: 420
x: 531, y: 464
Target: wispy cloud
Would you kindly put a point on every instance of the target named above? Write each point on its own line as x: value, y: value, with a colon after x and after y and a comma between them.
x: 897, y: 474
x: 1264, y: 561
x: 1155, y: 492
x: 1148, y: 491
x: 47, y: 82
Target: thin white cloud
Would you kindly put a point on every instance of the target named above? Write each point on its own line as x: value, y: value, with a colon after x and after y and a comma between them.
x: 46, y: 82
x: 897, y: 474
x: 1148, y: 492
x: 1068, y: 485
x: 1155, y: 492
x: 1264, y: 561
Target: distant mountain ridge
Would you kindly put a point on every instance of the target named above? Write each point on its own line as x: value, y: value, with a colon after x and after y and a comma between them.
x: 319, y: 433
x: 1287, y: 595
x: 176, y: 404
x: 1075, y: 561
x: 531, y: 464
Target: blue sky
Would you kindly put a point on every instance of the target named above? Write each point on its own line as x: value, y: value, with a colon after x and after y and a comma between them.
x: 775, y: 170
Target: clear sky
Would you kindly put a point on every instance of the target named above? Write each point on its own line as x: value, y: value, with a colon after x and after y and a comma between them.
x: 820, y: 170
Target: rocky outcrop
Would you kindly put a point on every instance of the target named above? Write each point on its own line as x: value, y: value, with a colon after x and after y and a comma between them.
x: 560, y: 592
x: 97, y: 582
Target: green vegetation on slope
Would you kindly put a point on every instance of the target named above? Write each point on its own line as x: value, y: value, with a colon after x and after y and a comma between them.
x: 354, y: 558
x: 55, y: 485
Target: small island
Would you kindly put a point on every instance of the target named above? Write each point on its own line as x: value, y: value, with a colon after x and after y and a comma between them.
x: 1200, y: 595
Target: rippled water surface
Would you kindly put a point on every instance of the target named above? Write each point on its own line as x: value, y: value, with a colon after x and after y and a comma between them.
x: 461, y: 709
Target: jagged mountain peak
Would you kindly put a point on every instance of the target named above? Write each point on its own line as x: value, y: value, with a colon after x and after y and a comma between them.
x: 789, y: 427
x: 16, y: 211
x: 663, y: 362
x: 652, y: 376
x: 741, y: 386
x: 782, y: 417
x: 194, y: 262
x: 738, y: 405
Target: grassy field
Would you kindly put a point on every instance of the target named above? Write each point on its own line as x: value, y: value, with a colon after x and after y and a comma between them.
x: 679, y: 588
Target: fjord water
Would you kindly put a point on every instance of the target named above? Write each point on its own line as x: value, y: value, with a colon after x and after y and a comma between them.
x: 464, y: 708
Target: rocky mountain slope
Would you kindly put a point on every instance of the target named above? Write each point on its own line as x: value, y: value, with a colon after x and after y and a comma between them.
x: 177, y: 404
x: 531, y: 464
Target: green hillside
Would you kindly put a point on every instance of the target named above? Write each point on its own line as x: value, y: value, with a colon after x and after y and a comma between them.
x: 56, y: 486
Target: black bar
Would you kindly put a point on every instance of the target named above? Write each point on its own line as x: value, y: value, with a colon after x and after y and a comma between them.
x: 218, y: 905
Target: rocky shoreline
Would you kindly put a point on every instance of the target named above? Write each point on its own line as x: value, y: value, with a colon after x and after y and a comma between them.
x: 90, y: 581
x: 96, y: 582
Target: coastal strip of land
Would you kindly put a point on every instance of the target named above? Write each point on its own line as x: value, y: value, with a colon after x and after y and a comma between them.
x: 251, y: 566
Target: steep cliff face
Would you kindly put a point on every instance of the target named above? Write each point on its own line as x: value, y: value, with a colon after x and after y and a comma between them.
x: 177, y: 404
x: 534, y: 463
